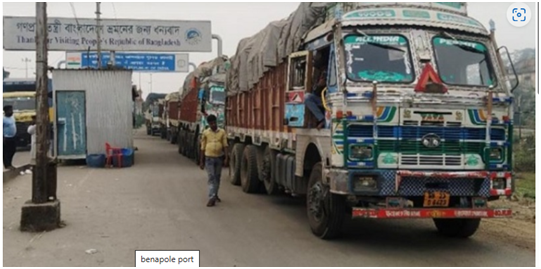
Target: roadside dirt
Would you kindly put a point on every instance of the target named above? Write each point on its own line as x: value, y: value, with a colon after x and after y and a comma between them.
x: 518, y: 230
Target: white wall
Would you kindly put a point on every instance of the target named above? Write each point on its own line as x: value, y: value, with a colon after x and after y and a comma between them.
x: 109, y: 105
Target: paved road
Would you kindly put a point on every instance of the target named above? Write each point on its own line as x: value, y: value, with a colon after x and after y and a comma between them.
x: 22, y: 157
x: 160, y: 204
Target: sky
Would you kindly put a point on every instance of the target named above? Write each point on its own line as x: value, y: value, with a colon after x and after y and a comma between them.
x: 231, y: 21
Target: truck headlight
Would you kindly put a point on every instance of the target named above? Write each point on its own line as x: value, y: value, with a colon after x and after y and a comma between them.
x: 360, y: 152
x: 498, y: 184
x: 496, y: 153
x: 361, y: 183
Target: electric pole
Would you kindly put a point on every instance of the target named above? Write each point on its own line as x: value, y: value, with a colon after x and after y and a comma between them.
x: 26, y: 61
x: 43, y: 211
x: 519, y: 119
x: 150, y: 82
x: 98, y: 24
x: 39, y: 194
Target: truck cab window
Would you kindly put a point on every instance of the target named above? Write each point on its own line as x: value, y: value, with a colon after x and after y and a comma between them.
x: 332, y: 71
x: 298, y: 74
x: 384, y: 58
x: 461, y: 62
x: 217, y: 95
x: 321, y: 65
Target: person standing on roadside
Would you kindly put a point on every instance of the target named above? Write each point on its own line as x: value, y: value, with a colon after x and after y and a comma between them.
x: 10, y: 140
x: 32, y: 131
x: 213, y: 156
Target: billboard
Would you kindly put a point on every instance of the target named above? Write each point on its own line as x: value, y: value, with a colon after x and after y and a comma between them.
x: 138, y: 62
x: 68, y: 34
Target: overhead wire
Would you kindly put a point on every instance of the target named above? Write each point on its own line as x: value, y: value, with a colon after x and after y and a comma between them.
x: 116, y: 23
x: 77, y: 22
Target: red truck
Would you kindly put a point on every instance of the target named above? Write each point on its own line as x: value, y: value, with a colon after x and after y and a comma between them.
x: 172, y: 116
x: 203, y: 94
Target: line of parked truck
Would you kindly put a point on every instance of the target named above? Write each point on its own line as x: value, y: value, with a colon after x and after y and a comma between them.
x: 417, y: 107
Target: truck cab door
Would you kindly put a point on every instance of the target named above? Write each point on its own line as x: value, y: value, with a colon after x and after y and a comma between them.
x: 299, y: 81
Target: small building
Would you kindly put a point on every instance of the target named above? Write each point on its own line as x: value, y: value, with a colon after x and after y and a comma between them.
x: 93, y: 107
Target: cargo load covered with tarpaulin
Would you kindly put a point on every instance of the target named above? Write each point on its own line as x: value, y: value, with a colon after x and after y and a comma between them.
x: 269, y: 47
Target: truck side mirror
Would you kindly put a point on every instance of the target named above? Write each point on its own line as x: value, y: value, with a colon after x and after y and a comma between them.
x: 512, y: 66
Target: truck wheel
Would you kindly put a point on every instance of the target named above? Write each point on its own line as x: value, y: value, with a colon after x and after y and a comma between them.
x: 183, y: 147
x: 461, y: 228
x: 236, y: 160
x: 188, y: 150
x: 149, y: 132
x: 268, y: 172
x: 249, y: 177
x: 197, y: 151
x: 179, y: 144
x: 326, y: 211
x: 173, y: 138
x: 163, y: 134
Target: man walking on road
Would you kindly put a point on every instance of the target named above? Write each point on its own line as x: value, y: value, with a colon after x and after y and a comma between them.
x: 10, y: 141
x: 213, y: 149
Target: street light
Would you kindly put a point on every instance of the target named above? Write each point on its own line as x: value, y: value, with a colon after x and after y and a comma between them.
x: 150, y: 82
x: 26, y: 61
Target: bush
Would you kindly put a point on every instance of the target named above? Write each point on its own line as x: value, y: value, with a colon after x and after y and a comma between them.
x: 139, y: 121
x: 524, y: 155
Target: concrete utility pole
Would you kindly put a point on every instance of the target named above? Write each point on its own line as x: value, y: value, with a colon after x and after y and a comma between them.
x: 192, y: 65
x: 43, y: 211
x: 26, y: 61
x: 150, y: 82
x: 220, y: 44
x: 519, y: 122
x: 98, y: 31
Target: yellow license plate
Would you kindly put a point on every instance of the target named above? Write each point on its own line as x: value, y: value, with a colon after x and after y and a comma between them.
x: 436, y: 199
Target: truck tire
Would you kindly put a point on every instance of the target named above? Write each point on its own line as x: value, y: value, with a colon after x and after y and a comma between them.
x: 179, y: 144
x: 182, y: 145
x: 173, y: 138
x: 249, y: 174
x: 187, y: 145
x: 196, y: 147
x: 326, y: 211
x: 236, y: 160
x: 197, y: 150
x: 163, y: 134
x: 149, y: 131
x: 460, y: 228
x: 268, y: 171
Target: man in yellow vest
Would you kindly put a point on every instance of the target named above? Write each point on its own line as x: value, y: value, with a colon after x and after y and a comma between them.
x: 213, y: 151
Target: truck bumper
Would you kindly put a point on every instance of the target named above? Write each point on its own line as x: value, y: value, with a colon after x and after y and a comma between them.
x: 415, y: 183
x: 420, y: 213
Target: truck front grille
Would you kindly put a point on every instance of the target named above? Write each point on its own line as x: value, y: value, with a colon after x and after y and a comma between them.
x: 431, y: 160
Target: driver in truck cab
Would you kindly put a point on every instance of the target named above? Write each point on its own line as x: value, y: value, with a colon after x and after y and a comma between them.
x: 313, y: 100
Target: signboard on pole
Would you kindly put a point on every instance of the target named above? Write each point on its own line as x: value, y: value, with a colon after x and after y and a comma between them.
x: 67, y: 34
x: 142, y: 62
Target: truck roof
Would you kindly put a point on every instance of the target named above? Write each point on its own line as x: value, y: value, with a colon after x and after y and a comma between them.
x: 449, y: 15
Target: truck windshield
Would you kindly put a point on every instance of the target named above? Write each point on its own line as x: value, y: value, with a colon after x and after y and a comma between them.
x: 217, y: 97
x: 461, y: 62
x: 384, y: 58
x: 21, y: 103
x: 155, y: 111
